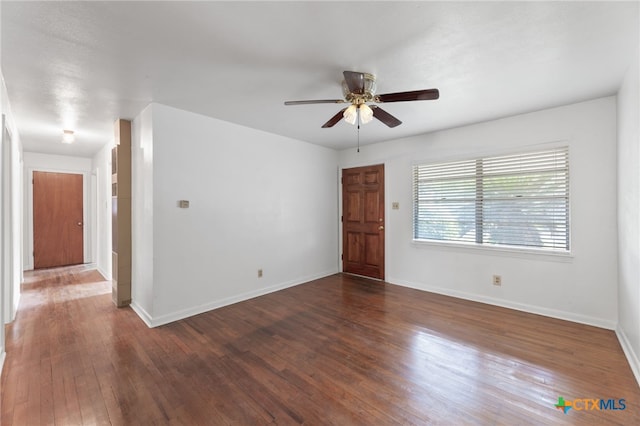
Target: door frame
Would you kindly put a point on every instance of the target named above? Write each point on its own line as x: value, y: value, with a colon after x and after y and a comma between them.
x: 87, y: 213
x: 386, y: 211
x: 7, y: 232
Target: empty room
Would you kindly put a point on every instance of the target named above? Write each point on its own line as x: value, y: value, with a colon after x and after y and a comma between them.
x: 320, y: 212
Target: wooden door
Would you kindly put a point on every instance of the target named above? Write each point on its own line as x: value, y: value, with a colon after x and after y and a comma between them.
x: 363, y: 221
x: 57, y: 219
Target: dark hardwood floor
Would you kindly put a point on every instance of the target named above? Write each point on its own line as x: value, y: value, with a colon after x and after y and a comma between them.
x: 340, y: 350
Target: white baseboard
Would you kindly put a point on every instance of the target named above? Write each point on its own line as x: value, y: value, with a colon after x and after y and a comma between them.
x: 215, y: 304
x: 103, y: 273
x: 16, y: 305
x: 3, y: 355
x: 144, y: 315
x: 631, y: 355
x: 532, y: 309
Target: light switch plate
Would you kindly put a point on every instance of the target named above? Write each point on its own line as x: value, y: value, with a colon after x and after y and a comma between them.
x: 395, y: 205
x: 183, y: 204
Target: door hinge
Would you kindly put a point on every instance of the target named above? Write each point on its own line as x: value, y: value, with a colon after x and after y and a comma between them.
x: 341, y: 218
x: 342, y: 257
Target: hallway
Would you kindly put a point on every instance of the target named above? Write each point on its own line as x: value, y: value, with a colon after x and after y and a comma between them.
x: 63, y: 331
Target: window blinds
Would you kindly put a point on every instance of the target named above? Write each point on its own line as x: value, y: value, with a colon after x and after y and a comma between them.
x: 512, y: 200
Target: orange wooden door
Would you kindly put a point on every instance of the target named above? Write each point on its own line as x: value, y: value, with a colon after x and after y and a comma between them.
x: 57, y: 219
x: 363, y: 221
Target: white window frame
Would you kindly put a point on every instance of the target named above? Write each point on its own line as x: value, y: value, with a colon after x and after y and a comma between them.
x: 476, y: 240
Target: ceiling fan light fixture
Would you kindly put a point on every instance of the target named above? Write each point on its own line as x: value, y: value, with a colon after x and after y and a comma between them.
x: 366, y: 113
x: 350, y: 114
x: 68, y: 136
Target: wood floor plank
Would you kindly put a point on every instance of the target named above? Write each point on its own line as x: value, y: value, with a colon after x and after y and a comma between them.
x: 340, y: 351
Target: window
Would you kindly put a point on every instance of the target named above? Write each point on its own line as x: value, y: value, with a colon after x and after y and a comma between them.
x: 515, y: 200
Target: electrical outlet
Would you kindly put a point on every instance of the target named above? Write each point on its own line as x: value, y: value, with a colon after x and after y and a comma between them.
x: 259, y: 273
x: 497, y: 280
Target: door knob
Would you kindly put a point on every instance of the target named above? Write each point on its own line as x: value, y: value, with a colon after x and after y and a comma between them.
x: 79, y: 223
x: 381, y: 227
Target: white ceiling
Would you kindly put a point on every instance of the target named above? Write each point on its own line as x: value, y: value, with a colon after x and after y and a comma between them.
x: 81, y: 65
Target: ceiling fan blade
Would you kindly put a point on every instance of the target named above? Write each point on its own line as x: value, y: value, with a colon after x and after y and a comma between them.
x: 415, y: 95
x: 385, y: 117
x: 334, y: 120
x: 355, y: 81
x: 318, y: 101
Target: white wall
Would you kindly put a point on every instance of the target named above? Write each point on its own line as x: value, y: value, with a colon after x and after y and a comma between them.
x: 3, y: 283
x: 581, y: 288
x: 101, y: 169
x: 63, y: 164
x: 629, y: 216
x: 142, y: 215
x: 10, y: 218
x: 257, y: 200
x: 16, y: 221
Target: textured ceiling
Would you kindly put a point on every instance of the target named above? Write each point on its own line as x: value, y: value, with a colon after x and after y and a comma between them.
x: 81, y: 65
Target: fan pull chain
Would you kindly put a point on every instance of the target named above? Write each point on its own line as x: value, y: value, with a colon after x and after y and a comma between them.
x: 358, y: 113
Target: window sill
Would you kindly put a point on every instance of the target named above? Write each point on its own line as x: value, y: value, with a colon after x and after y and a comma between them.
x: 525, y: 253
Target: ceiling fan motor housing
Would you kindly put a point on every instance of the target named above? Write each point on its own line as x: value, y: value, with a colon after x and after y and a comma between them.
x: 368, y: 91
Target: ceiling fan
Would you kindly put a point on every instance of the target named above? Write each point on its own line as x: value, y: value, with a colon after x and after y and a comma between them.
x: 359, y: 88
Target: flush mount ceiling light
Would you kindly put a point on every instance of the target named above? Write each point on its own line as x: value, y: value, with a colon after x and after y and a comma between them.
x: 359, y: 89
x: 68, y: 136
